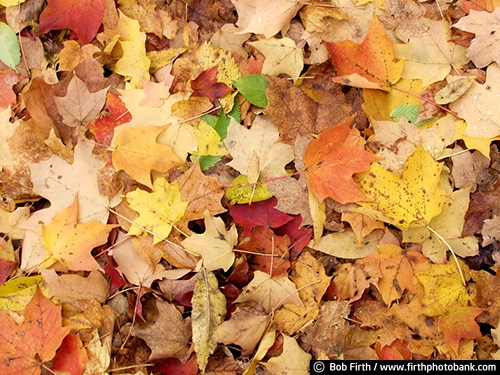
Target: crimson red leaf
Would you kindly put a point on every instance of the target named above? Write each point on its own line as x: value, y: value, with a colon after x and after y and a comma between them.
x: 206, y: 85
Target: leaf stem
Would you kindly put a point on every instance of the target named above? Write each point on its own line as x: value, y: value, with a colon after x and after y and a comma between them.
x: 441, y: 238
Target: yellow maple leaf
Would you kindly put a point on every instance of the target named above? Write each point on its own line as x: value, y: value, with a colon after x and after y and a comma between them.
x: 137, y: 153
x: 158, y: 211
x: 70, y: 243
x: 407, y: 200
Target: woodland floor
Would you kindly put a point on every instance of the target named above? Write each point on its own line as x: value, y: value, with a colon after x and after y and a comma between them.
x: 241, y: 186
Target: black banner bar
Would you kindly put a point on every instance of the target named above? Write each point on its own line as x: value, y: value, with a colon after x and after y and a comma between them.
x: 421, y: 367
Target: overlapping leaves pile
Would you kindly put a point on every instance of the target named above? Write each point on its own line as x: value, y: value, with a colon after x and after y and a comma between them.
x: 246, y: 184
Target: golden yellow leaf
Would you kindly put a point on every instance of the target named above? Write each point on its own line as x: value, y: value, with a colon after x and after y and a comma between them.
x: 209, y: 141
x: 158, y: 211
x: 407, y: 200
x: 293, y: 360
x: 71, y: 243
x: 137, y: 152
x: 209, y: 311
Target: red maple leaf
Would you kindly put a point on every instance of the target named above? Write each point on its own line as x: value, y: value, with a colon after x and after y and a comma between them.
x: 104, y: 127
x: 71, y: 356
x: 332, y: 159
x: 24, y: 347
x: 82, y: 16
x: 206, y: 85
x: 459, y: 323
x: 259, y: 213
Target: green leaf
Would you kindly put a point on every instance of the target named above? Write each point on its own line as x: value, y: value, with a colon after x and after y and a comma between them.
x: 10, y: 51
x: 209, y: 311
x: 410, y: 111
x: 253, y: 88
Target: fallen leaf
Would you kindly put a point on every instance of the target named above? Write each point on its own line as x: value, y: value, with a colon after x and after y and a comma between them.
x: 407, y: 200
x: 10, y: 50
x: 71, y: 356
x: 454, y: 90
x: 459, y: 323
x: 491, y: 230
x: 69, y: 243
x: 215, y: 245
x: 257, y: 151
x: 371, y: 64
x: 347, y: 245
x: 16, y: 293
x: 405, y: 18
x: 209, y: 311
x: 282, y: 57
x: 26, y: 346
x: 293, y: 360
x: 270, y: 292
x: 137, y: 152
x: 206, y: 85
x: 430, y: 57
x: 245, y: 328
x: 79, y: 106
x: 485, y: 25
x: 259, y: 17
x: 82, y: 16
x: 478, y: 106
x: 332, y: 159
x: 167, y: 336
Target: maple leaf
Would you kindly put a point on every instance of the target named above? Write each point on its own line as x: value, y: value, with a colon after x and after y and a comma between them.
x: 104, y: 127
x: 168, y: 335
x: 282, y: 56
x: 259, y: 213
x: 459, y: 323
x: 136, y: 151
x: 478, y: 107
x: 79, y: 106
x: 270, y: 292
x: 256, y: 151
x: 215, y: 245
x: 485, y: 25
x: 448, y: 225
x: 202, y: 192
x: 332, y: 159
x: 261, y: 17
x: 430, y: 56
x: 206, y: 85
x: 275, y: 259
x: 209, y: 311
x: 71, y: 356
x: 70, y: 243
x: 82, y: 16
x: 371, y: 64
x: 407, y: 200
x: 159, y: 210
x: 25, y: 346
x: 293, y: 360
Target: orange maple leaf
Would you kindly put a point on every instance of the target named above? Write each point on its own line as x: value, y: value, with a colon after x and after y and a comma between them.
x: 332, y: 159
x: 370, y: 64
x: 70, y: 243
x: 24, y: 347
x: 459, y: 323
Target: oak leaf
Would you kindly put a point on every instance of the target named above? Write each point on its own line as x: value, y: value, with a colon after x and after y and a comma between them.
x: 209, y: 311
x: 70, y: 243
x: 215, y: 245
x: 80, y: 106
x: 82, y: 16
x: 407, y: 200
x: 158, y: 210
x: 137, y: 152
x: 26, y: 346
x: 332, y: 159
x: 371, y: 64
